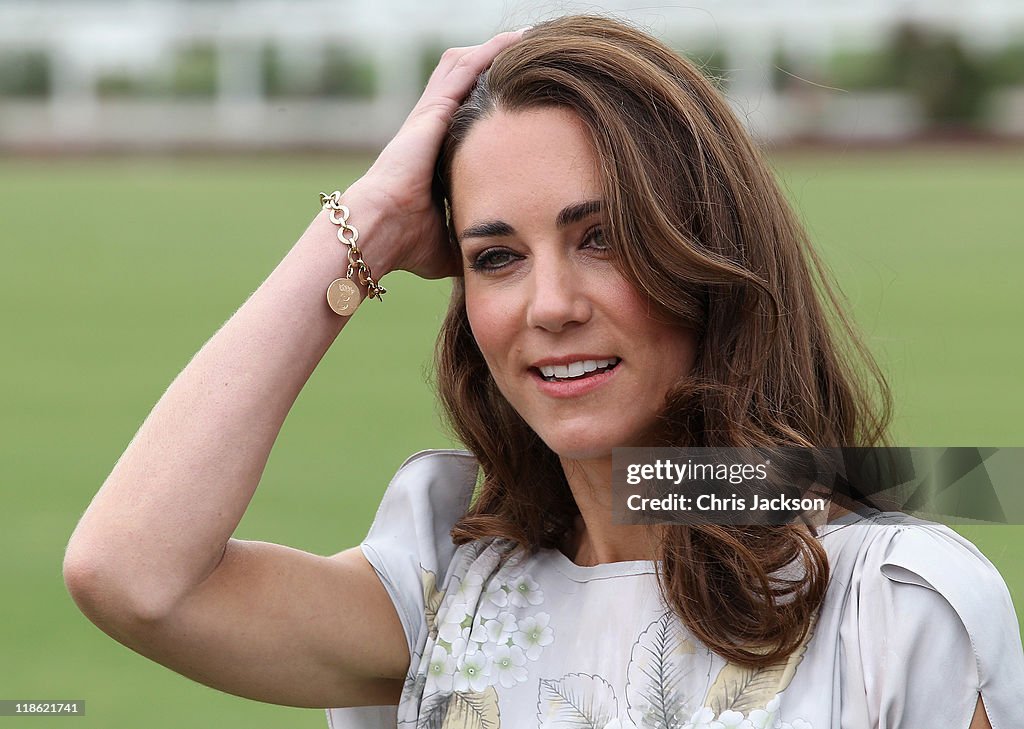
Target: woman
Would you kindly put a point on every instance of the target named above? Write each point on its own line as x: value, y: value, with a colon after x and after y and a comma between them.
x: 628, y: 274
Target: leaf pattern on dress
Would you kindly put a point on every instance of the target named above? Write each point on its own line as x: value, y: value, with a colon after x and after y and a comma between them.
x: 738, y: 688
x: 475, y: 710
x: 432, y: 598
x: 576, y: 701
x: 666, y: 670
x: 432, y: 711
x: 414, y: 680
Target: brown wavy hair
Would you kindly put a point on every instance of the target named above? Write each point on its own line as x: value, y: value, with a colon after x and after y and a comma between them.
x: 696, y: 220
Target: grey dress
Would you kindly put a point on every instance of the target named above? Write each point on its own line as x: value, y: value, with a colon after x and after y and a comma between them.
x: 916, y: 622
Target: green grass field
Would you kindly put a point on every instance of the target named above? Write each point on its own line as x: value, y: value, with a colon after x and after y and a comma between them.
x: 115, y: 272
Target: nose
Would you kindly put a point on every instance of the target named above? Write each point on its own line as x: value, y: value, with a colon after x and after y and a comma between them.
x: 557, y: 295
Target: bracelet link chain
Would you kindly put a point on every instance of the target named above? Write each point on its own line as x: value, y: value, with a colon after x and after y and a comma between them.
x: 340, y: 295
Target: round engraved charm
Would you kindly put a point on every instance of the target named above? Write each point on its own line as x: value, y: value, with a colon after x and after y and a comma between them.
x: 343, y: 296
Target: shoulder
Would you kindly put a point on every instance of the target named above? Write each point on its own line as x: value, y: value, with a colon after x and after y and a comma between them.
x: 449, y: 462
x: 927, y: 623
x: 434, y: 483
x: 892, y: 553
x: 430, y: 487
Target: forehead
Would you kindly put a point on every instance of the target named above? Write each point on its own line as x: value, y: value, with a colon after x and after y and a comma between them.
x: 532, y: 160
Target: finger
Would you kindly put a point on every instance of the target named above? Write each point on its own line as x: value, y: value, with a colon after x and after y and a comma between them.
x: 475, y: 59
x: 459, y: 67
x: 452, y: 79
x: 448, y: 59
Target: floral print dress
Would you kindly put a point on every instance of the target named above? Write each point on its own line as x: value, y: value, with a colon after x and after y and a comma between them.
x: 915, y: 622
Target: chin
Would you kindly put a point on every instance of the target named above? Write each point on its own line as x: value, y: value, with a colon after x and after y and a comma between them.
x: 584, y: 444
x: 584, y: 447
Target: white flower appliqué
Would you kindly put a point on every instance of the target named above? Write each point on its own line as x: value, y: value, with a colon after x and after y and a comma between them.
x: 472, y: 672
x: 525, y: 592
x: 766, y: 718
x: 480, y: 642
x: 534, y: 634
x: 703, y: 719
x: 507, y: 664
x: 451, y: 623
x: 494, y: 600
x: 441, y: 668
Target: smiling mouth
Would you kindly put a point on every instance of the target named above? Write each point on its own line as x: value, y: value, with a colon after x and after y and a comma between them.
x: 577, y: 370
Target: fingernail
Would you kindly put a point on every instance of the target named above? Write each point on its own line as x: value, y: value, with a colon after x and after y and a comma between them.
x: 524, y: 29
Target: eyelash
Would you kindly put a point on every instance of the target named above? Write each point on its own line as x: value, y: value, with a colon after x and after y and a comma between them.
x: 484, y: 262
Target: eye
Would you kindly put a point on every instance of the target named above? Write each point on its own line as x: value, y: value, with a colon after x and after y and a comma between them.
x: 493, y: 259
x: 595, y: 239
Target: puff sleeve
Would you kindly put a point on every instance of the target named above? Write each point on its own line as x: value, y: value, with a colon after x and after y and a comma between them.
x: 935, y: 626
x: 410, y: 535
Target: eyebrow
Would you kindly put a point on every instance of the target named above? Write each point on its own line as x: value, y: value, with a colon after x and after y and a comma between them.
x: 567, y: 216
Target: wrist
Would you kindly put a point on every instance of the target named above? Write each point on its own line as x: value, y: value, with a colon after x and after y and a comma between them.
x: 373, y: 217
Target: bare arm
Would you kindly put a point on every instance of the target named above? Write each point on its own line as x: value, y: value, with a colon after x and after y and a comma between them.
x: 980, y: 720
x: 165, y: 513
x: 152, y: 561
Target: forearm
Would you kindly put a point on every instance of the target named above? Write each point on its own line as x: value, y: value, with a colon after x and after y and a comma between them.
x: 160, y: 522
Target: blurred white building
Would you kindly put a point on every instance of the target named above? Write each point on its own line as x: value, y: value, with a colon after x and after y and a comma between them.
x: 87, y: 41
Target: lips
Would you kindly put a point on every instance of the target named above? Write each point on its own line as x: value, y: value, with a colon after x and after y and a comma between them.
x: 576, y: 368
x: 559, y: 379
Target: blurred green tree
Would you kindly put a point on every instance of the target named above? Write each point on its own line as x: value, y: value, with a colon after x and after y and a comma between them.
x: 25, y: 73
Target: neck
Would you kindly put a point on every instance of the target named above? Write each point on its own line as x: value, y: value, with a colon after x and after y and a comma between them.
x: 595, y: 539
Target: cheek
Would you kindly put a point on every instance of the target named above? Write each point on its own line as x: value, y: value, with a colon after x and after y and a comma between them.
x: 669, y: 348
x: 492, y: 325
x: 617, y: 295
x: 678, y: 355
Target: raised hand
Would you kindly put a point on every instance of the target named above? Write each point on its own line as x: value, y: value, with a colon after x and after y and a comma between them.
x: 399, y: 181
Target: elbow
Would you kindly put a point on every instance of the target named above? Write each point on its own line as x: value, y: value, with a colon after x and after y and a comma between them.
x: 84, y: 579
x: 81, y: 579
x: 105, y: 594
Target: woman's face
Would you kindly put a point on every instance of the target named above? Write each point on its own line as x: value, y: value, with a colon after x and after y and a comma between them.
x: 570, y: 343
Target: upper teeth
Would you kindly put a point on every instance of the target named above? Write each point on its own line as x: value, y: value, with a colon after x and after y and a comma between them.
x: 577, y: 369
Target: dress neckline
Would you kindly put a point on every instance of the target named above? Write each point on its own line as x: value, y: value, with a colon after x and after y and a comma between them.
x: 581, y: 573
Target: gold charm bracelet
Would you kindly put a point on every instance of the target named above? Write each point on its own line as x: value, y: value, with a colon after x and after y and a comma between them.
x: 342, y: 294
